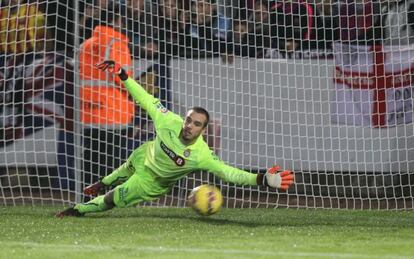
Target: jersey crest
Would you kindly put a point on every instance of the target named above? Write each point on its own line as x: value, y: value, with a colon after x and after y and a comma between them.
x: 161, y: 108
x: 187, y: 153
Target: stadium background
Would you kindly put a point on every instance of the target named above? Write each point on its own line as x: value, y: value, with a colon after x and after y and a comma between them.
x: 270, y: 104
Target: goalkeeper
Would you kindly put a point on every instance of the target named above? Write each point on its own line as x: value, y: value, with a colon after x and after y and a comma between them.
x: 178, y: 149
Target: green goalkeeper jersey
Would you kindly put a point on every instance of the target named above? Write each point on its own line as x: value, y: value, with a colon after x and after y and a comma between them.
x: 168, y: 157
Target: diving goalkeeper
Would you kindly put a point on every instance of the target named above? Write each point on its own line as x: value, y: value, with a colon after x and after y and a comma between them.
x: 178, y: 149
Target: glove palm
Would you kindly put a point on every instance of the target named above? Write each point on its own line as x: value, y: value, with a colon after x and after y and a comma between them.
x: 112, y: 67
x: 282, y: 180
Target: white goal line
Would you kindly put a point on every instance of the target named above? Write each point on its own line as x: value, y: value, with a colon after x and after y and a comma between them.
x: 160, y: 249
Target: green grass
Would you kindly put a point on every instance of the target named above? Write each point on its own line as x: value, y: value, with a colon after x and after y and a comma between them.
x: 33, y: 232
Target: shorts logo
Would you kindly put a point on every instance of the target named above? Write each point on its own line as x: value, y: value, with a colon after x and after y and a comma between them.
x: 122, y: 193
x: 174, y: 157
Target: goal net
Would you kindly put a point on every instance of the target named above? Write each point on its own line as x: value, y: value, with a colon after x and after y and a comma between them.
x: 323, y: 88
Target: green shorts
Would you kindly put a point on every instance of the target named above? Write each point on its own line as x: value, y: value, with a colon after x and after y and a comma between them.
x: 142, y: 185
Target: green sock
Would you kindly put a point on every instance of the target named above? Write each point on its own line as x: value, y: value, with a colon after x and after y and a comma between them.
x: 120, y: 175
x: 95, y: 205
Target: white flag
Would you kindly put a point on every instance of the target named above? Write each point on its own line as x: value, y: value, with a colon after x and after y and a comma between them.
x: 374, y: 85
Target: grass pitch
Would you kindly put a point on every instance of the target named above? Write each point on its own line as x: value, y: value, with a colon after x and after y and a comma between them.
x: 33, y: 232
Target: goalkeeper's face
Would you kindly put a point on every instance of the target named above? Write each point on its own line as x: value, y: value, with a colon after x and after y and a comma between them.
x: 193, y: 127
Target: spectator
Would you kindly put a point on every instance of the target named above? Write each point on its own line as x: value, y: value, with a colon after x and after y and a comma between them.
x: 24, y: 28
x: 357, y: 21
x: 206, y: 30
x: 300, y: 26
x: 90, y: 11
x: 253, y: 35
x: 240, y: 7
x: 398, y: 22
x: 265, y: 34
x: 330, y: 21
x: 241, y: 29
x: 107, y: 113
x: 61, y: 25
x: 142, y: 28
x: 171, y: 27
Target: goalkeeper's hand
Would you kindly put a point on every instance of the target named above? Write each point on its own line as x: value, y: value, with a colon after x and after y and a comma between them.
x: 273, y: 178
x: 95, y: 189
x: 113, y: 67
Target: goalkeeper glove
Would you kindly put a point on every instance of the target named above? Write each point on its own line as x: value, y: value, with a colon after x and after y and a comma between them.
x: 112, y: 67
x: 273, y: 178
x: 95, y: 189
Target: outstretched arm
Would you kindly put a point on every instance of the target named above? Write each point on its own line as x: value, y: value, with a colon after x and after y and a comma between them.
x: 272, y: 178
x: 149, y: 103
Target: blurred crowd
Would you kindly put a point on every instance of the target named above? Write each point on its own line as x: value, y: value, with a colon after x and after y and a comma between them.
x: 202, y: 28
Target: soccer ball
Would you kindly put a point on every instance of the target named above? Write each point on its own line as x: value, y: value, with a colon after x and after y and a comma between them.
x: 205, y: 199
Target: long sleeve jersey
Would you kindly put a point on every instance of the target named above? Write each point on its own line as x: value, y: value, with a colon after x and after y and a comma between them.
x: 168, y: 157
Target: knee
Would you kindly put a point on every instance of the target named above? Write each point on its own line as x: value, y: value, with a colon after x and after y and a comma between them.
x: 109, y: 199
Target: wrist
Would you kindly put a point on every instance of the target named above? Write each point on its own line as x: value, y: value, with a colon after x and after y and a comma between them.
x: 101, y: 181
x: 260, y: 179
x: 123, y: 75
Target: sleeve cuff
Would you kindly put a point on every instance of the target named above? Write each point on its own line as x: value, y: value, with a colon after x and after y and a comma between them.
x: 260, y: 179
x: 123, y: 75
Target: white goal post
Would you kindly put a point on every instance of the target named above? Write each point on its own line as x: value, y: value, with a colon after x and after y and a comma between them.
x: 337, y: 110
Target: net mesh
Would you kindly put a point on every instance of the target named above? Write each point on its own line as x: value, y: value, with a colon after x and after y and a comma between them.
x: 323, y: 88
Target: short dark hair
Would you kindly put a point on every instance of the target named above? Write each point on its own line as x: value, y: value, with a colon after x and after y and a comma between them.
x: 201, y: 110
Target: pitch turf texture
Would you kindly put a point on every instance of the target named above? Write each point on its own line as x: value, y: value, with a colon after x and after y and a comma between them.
x: 33, y: 232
